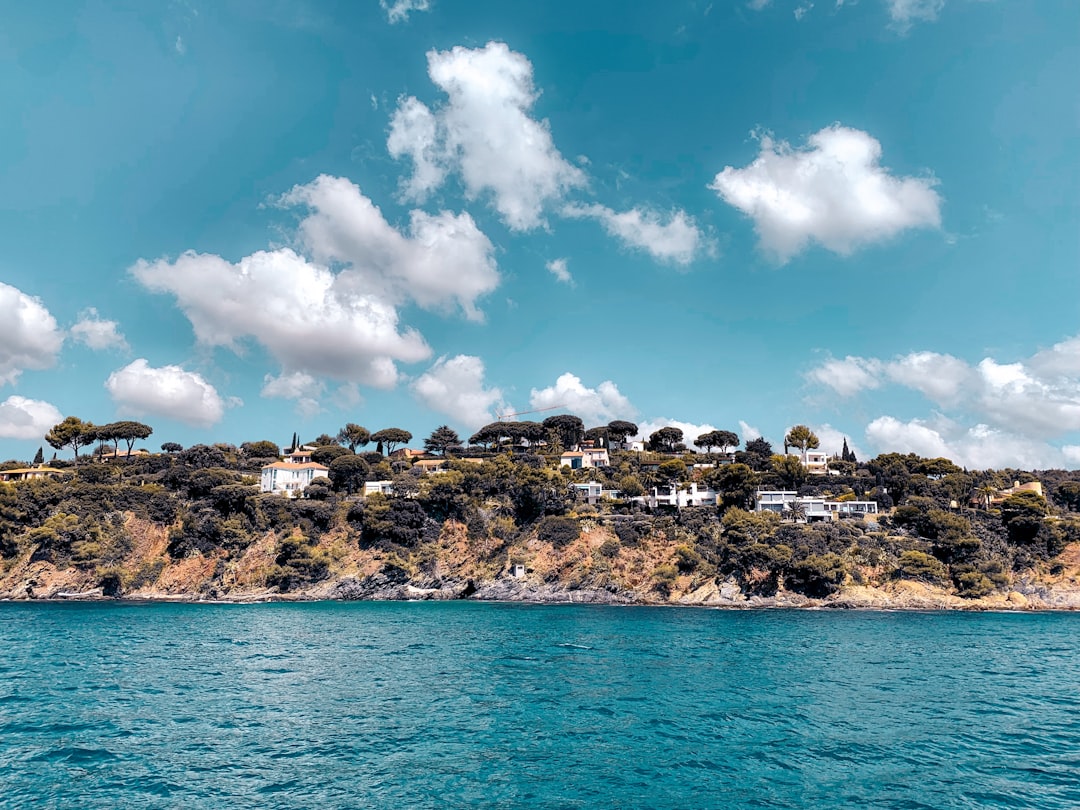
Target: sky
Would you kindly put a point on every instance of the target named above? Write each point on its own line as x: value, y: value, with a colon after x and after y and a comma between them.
x: 240, y: 219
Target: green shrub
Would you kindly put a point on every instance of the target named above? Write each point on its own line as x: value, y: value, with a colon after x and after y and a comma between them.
x: 817, y: 575
x: 559, y: 531
x: 921, y: 566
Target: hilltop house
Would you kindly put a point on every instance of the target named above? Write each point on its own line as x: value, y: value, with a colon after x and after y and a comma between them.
x: 592, y: 492
x: 27, y: 473
x: 677, y: 496
x: 293, y: 475
x: 585, y: 459
x: 780, y: 501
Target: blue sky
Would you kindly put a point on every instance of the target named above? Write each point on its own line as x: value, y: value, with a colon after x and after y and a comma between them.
x: 240, y: 219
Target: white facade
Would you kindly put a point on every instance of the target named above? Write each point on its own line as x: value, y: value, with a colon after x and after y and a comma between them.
x: 779, y: 501
x: 593, y: 492
x: 378, y: 488
x: 585, y: 459
x: 688, y: 495
x: 290, y: 478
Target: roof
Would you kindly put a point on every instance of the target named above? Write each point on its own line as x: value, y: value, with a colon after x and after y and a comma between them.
x: 292, y: 465
x: 24, y: 470
x: 572, y: 453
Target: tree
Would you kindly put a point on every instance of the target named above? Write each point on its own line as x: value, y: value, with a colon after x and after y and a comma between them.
x: 672, y: 470
x: 260, y: 449
x: 735, y: 484
x: 790, y: 469
x: 723, y: 439
x: 171, y: 447
x: 39, y: 457
x: 129, y: 433
x: 758, y: 454
x: 73, y: 432
x: 390, y: 438
x: 665, y: 439
x: 353, y: 436
x: 619, y: 430
x: 598, y: 435
x: 348, y: 473
x: 325, y: 440
x: 442, y: 439
x: 846, y: 454
x: 1067, y: 494
x: 802, y: 438
x: 328, y: 452
x: 566, y: 428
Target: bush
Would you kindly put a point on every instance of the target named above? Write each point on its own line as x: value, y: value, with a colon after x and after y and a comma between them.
x: 559, y: 531
x: 610, y: 548
x: 817, y: 575
x: 920, y: 566
x: 686, y: 559
x: 664, y: 577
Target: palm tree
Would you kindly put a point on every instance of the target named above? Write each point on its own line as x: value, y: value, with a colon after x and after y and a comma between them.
x: 796, y: 510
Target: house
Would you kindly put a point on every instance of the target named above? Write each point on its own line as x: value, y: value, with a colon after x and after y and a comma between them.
x: 378, y: 488
x: 407, y: 454
x: 1002, y: 494
x: 780, y: 501
x: 691, y: 494
x: 27, y: 473
x: 292, y: 476
x: 517, y: 570
x: 117, y: 455
x: 592, y: 492
x: 585, y: 459
x: 432, y: 465
x: 299, y: 455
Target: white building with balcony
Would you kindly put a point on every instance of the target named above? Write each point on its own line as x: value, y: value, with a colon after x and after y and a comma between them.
x: 779, y: 501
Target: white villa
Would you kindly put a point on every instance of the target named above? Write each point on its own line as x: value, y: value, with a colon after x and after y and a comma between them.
x: 688, y: 495
x: 779, y: 501
x: 378, y: 488
x: 585, y: 459
x: 815, y: 461
x: 592, y: 492
x: 292, y: 476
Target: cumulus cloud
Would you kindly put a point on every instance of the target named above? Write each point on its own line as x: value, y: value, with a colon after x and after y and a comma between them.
x: 30, y: 338
x: 595, y: 406
x: 1033, y: 397
x: 748, y: 432
x: 848, y: 376
x: 557, y: 268
x: 299, y: 311
x: 904, y: 13
x: 831, y: 440
x: 399, y: 10
x: 978, y: 447
x: 833, y: 191
x: 22, y: 418
x: 442, y: 260
x: 299, y: 386
x: 96, y: 333
x: 139, y: 389
x: 485, y: 133
x: 455, y: 387
x: 674, y: 238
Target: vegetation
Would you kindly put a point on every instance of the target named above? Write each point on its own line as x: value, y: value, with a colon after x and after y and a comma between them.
x: 506, y: 497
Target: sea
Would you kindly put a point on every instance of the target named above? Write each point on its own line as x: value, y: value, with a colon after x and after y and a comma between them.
x: 461, y: 705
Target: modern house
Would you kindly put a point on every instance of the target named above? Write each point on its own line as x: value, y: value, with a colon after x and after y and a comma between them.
x: 592, y: 492
x: 585, y: 459
x: 677, y: 496
x: 292, y: 476
x: 378, y: 488
x: 1002, y: 494
x: 28, y: 473
x: 780, y: 501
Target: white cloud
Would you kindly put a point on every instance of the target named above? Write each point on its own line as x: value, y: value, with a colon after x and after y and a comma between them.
x: 831, y: 440
x: 834, y: 191
x: 398, y: 10
x: 301, y: 312
x: 595, y: 406
x: 677, y: 240
x: 803, y: 10
x: 557, y: 268
x: 179, y: 46
x: 904, y: 13
x: 139, y: 389
x: 22, y: 418
x: 757, y: 5
x: 848, y: 376
x: 748, y: 432
x: 30, y: 338
x: 940, y: 377
x: 299, y: 386
x: 978, y: 447
x: 96, y: 333
x: 444, y: 259
x: 455, y: 387
x: 485, y: 133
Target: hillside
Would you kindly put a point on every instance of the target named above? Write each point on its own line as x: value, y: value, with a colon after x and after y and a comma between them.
x: 193, y: 525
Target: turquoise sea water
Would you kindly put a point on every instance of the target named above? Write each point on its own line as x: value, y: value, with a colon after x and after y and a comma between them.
x: 477, y: 705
